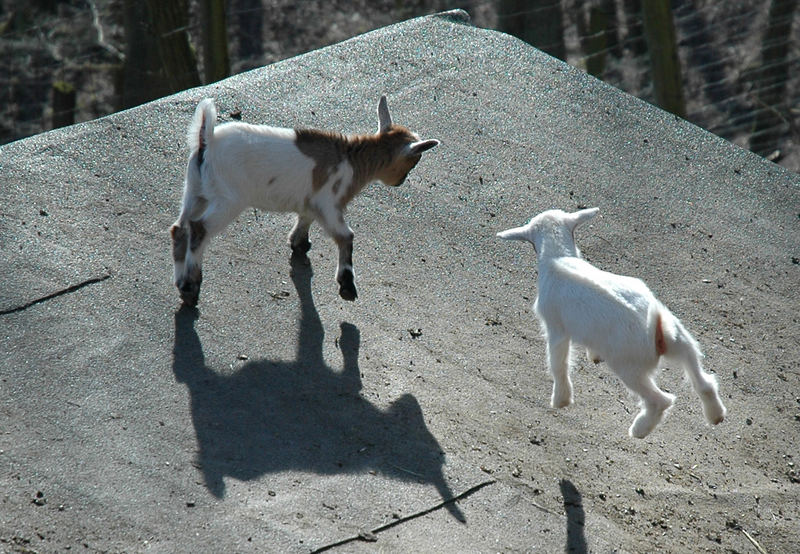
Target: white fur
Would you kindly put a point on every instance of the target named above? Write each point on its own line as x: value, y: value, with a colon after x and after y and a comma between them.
x: 614, y: 317
x: 236, y: 165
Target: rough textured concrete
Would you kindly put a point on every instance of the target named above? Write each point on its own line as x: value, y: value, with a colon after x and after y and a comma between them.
x: 278, y: 417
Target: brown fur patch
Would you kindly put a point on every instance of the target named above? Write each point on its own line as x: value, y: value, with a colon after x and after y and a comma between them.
x: 325, y: 148
x: 179, y: 243
x: 661, y: 344
x: 371, y: 156
x: 197, y: 235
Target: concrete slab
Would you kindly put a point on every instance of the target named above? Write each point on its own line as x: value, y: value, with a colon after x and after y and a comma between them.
x: 279, y: 418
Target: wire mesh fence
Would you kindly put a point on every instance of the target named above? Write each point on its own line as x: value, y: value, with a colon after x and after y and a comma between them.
x: 738, y: 59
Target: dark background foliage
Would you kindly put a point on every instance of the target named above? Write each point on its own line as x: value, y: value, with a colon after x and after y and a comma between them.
x: 63, y: 61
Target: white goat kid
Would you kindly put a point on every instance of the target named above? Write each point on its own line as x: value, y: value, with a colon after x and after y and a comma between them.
x: 616, y: 318
x: 312, y: 173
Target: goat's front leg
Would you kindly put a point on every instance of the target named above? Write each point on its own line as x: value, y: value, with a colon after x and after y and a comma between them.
x: 333, y: 223
x: 298, y: 237
x: 344, y: 272
x: 558, y: 359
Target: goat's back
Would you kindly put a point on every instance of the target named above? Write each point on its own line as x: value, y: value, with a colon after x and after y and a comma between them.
x: 609, y: 314
x: 260, y: 165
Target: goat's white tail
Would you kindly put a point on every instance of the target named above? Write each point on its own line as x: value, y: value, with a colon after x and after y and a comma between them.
x: 201, y: 130
x: 681, y: 347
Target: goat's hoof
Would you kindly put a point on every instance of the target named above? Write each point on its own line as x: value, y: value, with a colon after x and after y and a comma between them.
x: 190, y: 293
x: 347, y: 286
x: 301, y: 248
x: 561, y: 397
x: 715, y: 414
x: 299, y: 257
x: 594, y: 358
x: 349, y: 294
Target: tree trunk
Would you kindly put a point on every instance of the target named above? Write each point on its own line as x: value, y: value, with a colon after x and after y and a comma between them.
x: 250, y: 17
x: 773, y: 77
x: 141, y: 78
x: 634, y: 36
x: 594, y: 39
x: 537, y: 22
x: 63, y: 104
x: 216, y: 64
x: 170, y: 20
x: 659, y: 30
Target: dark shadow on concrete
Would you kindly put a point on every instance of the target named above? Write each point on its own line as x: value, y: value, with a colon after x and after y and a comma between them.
x: 576, y: 518
x: 300, y: 415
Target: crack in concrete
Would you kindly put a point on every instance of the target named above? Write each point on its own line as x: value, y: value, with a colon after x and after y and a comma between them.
x: 371, y: 536
x: 56, y: 294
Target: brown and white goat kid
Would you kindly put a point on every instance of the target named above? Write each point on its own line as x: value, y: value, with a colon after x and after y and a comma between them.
x: 310, y: 172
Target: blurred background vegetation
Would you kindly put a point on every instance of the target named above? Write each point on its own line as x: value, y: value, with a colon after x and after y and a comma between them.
x: 728, y: 66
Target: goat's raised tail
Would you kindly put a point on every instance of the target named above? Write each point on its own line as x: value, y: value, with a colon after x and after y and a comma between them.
x: 201, y: 130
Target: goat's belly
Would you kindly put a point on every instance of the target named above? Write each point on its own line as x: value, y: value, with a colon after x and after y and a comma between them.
x: 275, y: 196
x: 271, y: 204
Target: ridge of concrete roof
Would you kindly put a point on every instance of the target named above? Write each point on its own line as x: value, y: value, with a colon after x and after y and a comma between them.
x: 279, y: 418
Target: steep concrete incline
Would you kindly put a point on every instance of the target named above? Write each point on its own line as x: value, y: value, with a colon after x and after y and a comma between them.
x: 279, y: 418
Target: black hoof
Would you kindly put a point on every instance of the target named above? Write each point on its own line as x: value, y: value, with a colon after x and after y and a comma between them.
x: 302, y: 248
x: 299, y: 258
x: 348, y: 294
x: 190, y: 293
x: 347, y: 288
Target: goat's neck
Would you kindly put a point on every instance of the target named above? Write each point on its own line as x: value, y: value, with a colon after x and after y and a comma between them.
x: 551, y: 251
x: 369, y: 156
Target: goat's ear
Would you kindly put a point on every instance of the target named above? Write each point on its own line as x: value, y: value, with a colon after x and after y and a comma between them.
x: 416, y: 148
x: 582, y: 216
x: 517, y: 233
x: 384, y: 119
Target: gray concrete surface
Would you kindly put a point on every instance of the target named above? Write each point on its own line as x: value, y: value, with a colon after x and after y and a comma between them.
x: 279, y: 418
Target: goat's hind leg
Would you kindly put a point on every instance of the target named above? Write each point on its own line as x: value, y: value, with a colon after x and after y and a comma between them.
x: 180, y: 243
x: 216, y: 217
x: 191, y: 279
x: 192, y: 207
x: 655, y: 402
x: 684, y: 350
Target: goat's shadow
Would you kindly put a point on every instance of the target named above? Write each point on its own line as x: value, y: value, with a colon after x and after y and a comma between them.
x: 275, y: 415
x: 576, y: 518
